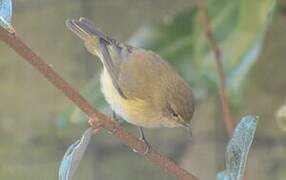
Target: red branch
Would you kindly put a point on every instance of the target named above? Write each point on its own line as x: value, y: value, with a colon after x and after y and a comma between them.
x: 228, y: 119
x: 97, y: 118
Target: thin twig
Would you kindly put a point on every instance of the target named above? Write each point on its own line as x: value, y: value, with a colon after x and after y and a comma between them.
x: 228, y: 119
x: 283, y: 6
x: 97, y: 118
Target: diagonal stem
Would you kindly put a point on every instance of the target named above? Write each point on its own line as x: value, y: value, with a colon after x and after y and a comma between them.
x: 97, y: 118
x: 228, y: 119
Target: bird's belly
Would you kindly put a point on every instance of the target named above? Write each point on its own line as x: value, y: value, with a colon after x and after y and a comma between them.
x: 134, y: 111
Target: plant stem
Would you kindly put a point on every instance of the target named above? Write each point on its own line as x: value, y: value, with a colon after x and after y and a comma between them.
x: 228, y: 119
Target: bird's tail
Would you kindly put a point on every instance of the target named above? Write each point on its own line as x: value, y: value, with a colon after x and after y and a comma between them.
x: 85, y: 29
x: 111, y: 52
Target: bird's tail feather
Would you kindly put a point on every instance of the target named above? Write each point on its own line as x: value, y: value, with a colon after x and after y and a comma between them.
x: 85, y: 29
x: 99, y: 44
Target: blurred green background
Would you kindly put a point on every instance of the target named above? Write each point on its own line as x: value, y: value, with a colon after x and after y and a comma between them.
x: 37, y: 123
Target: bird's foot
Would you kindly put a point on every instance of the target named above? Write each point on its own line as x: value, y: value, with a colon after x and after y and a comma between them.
x: 118, y: 123
x: 143, y: 139
x: 147, y: 146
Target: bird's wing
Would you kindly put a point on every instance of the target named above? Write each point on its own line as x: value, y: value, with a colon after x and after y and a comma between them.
x: 142, y: 72
x: 108, y: 49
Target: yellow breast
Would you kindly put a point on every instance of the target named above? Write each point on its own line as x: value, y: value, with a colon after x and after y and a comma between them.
x: 135, y: 111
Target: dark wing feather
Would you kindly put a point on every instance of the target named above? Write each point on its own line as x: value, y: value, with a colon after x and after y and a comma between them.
x: 85, y: 29
x: 109, y: 67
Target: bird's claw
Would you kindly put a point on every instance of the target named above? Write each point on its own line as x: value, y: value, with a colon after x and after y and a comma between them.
x: 117, y: 121
x: 143, y: 139
x: 147, y: 146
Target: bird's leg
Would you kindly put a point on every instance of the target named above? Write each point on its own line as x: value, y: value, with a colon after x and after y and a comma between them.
x: 143, y: 138
x: 118, y: 122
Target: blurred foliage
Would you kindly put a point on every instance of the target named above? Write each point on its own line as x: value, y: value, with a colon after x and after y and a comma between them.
x: 180, y: 40
x: 281, y: 117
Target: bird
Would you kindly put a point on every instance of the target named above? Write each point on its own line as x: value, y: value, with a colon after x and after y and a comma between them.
x: 139, y: 85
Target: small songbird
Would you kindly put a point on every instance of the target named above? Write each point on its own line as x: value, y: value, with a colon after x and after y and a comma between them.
x: 138, y: 84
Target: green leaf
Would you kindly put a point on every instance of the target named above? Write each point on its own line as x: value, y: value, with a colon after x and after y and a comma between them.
x: 238, y: 29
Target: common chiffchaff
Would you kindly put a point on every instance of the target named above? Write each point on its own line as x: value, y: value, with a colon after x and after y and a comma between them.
x: 138, y: 84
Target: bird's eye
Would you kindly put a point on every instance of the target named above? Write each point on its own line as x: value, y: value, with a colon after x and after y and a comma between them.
x: 175, y: 114
x: 172, y: 111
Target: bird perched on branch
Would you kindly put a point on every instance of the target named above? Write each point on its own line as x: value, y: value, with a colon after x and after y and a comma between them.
x: 138, y: 84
